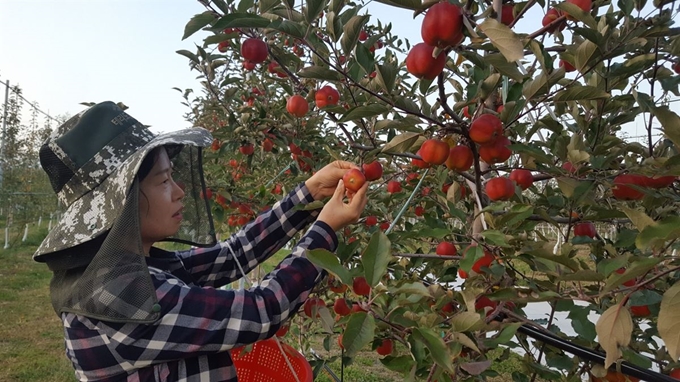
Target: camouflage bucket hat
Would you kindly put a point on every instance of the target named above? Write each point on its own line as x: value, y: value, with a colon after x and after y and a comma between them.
x: 92, y: 161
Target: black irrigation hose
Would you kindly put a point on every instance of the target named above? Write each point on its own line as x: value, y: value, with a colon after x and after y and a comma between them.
x: 591, y: 355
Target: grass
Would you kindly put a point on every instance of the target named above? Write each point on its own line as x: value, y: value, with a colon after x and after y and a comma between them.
x: 31, y: 336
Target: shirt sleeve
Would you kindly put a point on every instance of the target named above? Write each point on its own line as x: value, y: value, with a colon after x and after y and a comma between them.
x: 200, y: 320
x: 253, y: 244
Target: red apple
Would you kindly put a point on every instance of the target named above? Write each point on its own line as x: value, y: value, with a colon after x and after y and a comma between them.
x: 500, y: 188
x: 393, y: 186
x: 297, y: 105
x: 460, y: 158
x: 496, y: 151
x: 254, y: 50
x: 372, y: 171
x: 326, y: 96
x: 446, y: 248
x: 585, y: 229
x: 340, y: 307
x: 434, y: 151
x: 522, y: 177
x: 353, y: 180
x: 360, y: 286
x: 486, y: 128
x: 443, y: 25
x: 312, y: 305
x: 371, y: 221
x: 385, y: 347
x: 622, y: 189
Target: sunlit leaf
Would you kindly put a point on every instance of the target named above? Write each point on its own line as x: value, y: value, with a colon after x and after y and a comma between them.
x: 668, y: 323
x: 614, y: 329
x: 435, y: 344
x: 401, y: 143
x: 330, y: 262
x: 503, y: 38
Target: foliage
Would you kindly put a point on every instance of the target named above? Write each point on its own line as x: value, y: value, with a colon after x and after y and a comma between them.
x: 25, y: 194
x: 564, y: 126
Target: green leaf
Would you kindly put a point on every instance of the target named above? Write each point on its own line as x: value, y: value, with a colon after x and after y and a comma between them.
x: 375, y: 257
x: 244, y: 5
x: 532, y: 87
x: 401, y: 143
x: 668, y: 323
x: 495, y: 237
x: 467, y: 322
x: 670, y: 122
x: 504, y: 337
x: 359, y: 112
x: 580, y: 93
x: 189, y: 55
x: 241, y: 20
x: 614, y: 329
x: 635, y: 270
x: 333, y: 26
x: 413, y: 5
x: 359, y: 333
x: 567, y: 185
x: 504, y: 67
x: 411, y: 288
x: 400, y: 364
x: 320, y: 73
x: 584, y: 53
x: 351, y: 30
x: 516, y: 214
x: 330, y: 262
x: 639, y: 218
x: 577, y: 13
x: 435, y: 344
x: 267, y: 5
x: 288, y: 27
x: 387, y: 75
x: 365, y: 58
x: 197, y: 22
x: 656, y: 235
x: 584, y: 275
x: 314, y: 7
x: 503, y: 38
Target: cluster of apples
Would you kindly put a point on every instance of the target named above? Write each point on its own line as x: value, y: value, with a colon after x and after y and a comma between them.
x: 442, y: 28
x: 326, y: 96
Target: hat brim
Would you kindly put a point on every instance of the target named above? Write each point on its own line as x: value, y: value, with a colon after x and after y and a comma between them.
x: 95, y: 212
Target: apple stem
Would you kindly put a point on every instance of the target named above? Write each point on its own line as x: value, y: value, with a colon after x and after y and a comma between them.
x: 408, y: 202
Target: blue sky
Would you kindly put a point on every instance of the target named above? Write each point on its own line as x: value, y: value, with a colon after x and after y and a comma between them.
x: 63, y: 52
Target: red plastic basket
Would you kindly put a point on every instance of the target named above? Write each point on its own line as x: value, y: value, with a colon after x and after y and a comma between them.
x: 266, y: 363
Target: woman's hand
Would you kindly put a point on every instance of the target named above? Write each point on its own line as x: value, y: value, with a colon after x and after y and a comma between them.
x: 324, y: 183
x: 337, y: 213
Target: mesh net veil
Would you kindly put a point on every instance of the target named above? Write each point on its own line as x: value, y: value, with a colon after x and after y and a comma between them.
x: 115, y: 285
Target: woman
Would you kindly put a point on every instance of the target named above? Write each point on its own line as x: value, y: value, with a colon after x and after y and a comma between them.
x: 134, y: 312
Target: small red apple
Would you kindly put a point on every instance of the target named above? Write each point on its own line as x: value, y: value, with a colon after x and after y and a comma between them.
x: 326, y: 96
x: 254, y: 50
x: 385, y: 347
x: 312, y: 305
x: 622, y: 189
x: 297, y: 105
x: 434, y: 151
x: 247, y: 149
x: 340, y: 307
x: 393, y: 186
x: 500, y: 188
x: 372, y: 171
x: 460, y: 158
x: 585, y: 229
x: 446, y: 248
x: 485, y: 129
x: 354, y: 179
x: 522, y: 177
x: 360, y: 286
x: 483, y: 261
x: 371, y: 221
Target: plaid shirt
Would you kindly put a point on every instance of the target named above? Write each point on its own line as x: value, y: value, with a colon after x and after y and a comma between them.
x: 199, y: 322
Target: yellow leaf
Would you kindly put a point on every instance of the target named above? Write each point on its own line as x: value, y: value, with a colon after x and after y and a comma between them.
x: 614, y: 329
x: 503, y: 38
x: 668, y: 323
x: 638, y: 218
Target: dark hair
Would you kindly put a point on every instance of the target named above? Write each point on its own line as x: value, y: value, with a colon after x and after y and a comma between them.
x: 147, y: 164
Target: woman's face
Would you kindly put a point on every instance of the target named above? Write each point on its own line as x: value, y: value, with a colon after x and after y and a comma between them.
x: 160, y: 202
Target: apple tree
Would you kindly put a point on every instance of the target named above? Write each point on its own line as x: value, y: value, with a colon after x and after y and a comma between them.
x: 476, y: 138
